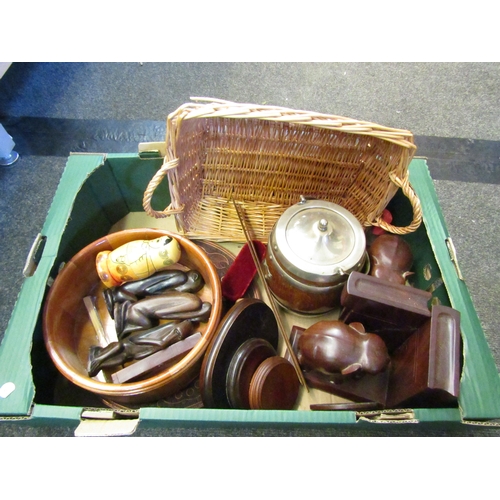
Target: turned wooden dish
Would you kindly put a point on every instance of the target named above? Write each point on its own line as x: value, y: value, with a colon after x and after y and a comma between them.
x: 68, y: 331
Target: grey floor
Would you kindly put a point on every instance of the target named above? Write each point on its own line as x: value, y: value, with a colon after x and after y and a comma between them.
x: 452, y: 108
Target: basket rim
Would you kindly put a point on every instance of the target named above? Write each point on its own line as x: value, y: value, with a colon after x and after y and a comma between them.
x: 208, y: 107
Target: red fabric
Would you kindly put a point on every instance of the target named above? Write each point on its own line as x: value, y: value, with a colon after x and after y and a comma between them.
x: 386, y: 217
x: 242, y: 271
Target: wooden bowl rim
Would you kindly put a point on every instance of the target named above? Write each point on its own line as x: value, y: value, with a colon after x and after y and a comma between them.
x: 172, y: 373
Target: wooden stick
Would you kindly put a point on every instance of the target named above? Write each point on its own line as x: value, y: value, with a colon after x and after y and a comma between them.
x: 101, y: 334
x: 96, y: 322
x: 274, y: 307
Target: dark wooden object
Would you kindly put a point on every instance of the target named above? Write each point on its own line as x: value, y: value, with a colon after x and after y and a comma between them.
x: 244, y: 363
x: 365, y: 388
x: 426, y: 368
x: 391, y: 258
x: 390, y: 310
x: 169, y: 305
x: 137, y: 346
x: 156, y: 283
x: 334, y: 347
x: 274, y: 385
x: 345, y: 406
x: 157, y: 362
x: 248, y: 318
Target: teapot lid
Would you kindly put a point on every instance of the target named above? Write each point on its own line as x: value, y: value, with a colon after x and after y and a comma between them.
x: 319, y: 239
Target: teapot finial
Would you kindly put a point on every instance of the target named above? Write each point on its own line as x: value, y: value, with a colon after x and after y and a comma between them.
x: 323, y: 225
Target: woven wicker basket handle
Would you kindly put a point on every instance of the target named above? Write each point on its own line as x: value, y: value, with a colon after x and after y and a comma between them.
x: 408, y: 191
x: 153, y: 184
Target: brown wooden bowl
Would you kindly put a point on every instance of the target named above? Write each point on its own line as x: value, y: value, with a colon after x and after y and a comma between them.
x: 68, y: 331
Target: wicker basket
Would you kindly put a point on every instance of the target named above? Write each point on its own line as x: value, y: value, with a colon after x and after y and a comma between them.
x: 265, y: 157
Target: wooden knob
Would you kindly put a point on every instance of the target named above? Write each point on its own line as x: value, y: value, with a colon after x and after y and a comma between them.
x: 245, y: 361
x: 274, y: 385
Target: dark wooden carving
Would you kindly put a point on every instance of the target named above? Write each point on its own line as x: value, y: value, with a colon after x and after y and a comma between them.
x: 391, y: 258
x: 334, y: 347
x: 365, y: 388
x: 146, y: 313
x: 138, y: 345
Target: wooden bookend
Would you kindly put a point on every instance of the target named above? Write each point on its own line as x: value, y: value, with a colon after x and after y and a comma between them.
x: 390, y: 310
x: 425, y: 370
